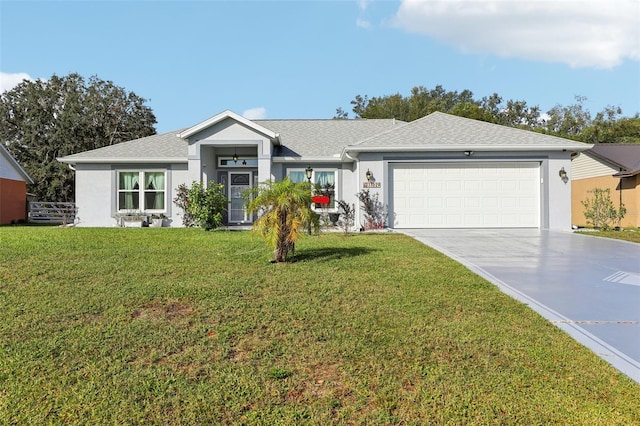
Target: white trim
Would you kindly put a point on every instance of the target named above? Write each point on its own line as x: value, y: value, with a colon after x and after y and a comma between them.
x: 308, y: 160
x: 120, y: 160
x: 141, y: 190
x: 462, y: 148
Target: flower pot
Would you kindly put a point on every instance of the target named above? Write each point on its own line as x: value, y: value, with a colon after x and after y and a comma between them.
x: 333, y: 217
x: 156, y: 223
x: 132, y: 223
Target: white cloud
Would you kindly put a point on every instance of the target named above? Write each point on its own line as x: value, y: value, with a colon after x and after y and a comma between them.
x: 10, y: 80
x: 361, y: 23
x: 363, y: 4
x: 581, y: 33
x: 259, y: 113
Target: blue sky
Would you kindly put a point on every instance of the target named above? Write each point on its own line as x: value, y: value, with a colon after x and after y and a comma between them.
x: 304, y: 59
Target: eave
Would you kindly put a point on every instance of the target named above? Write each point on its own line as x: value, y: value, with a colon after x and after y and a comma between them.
x: 467, y: 147
x: 307, y: 159
x: 120, y: 160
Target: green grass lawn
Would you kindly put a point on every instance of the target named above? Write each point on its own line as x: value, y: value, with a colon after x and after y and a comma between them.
x: 632, y: 236
x: 182, y: 327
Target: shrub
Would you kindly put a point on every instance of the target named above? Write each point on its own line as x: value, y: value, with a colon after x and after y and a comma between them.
x: 182, y: 200
x: 204, y: 206
x: 375, y: 213
x: 600, y: 211
x: 348, y: 214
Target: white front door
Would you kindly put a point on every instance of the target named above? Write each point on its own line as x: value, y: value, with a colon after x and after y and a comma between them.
x: 238, y: 183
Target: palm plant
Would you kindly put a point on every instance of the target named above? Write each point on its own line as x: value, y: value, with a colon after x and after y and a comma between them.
x: 282, y: 208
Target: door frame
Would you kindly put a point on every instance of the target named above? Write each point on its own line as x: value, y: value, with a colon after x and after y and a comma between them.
x: 224, y: 177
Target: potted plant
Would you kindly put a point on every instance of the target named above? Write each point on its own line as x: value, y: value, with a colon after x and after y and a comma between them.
x: 157, y: 220
x: 333, y: 217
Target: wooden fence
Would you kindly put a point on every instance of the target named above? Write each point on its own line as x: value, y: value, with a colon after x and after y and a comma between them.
x: 44, y: 212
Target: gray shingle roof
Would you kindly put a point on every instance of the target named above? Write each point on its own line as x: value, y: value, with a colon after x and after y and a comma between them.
x: 323, y: 138
x: 327, y: 139
x: 439, y: 131
x: 165, y: 147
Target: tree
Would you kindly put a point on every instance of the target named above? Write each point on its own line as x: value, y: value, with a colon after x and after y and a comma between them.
x: 42, y: 120
x: 573, y: 121
x: 609, y: 126
x: 283, y: 208
x: 422, y: 102
x: 568, y: 122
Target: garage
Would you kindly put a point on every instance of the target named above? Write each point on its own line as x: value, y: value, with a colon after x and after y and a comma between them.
x: 465, y: 195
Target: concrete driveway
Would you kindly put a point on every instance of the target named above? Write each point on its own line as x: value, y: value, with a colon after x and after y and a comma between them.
x: 587, y: 286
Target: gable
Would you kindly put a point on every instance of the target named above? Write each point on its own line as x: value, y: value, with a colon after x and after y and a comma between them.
x: 208, y: 126
x: 227, y: 129
x: 10, y: 169
x: 586, y: 165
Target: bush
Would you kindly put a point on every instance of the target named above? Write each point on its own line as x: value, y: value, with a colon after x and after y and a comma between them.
x: 375, y: 213
x: 600, y: 211
x: 182, y: 200
x: 202, y: 206
x: 348, y: 213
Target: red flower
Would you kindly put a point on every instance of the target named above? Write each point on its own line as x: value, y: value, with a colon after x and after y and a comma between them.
x: 321, y: 199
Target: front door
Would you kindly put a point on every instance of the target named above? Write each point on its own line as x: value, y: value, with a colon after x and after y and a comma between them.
x: 238, y: 183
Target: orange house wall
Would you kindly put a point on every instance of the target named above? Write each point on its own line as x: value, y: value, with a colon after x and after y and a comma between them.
x: 13, y: 200
x: 581, y: 190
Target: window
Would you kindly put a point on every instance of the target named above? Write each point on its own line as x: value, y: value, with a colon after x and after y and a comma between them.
x: 324, y: 180
x: 241, y: 162
x: 141, y: 191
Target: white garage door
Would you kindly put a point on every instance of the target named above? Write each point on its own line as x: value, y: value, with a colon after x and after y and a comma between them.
x: 466, y: 195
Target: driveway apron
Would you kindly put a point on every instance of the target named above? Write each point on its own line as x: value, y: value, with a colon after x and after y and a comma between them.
x: 588, y: 286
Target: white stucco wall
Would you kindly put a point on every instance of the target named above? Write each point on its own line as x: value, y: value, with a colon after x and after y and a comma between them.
x: 95, y: 195
x: 96, y: 192
x: 558, y: 206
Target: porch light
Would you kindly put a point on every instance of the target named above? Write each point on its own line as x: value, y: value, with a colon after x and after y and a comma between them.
x: 309, y: 172
x: 468, y: 153
x: 563, y: 175
x: 235, y: 157
x: 368, y: 175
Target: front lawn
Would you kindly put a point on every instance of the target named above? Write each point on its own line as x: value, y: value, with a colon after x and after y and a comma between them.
x: 627, y: 235
x: 182, y: 326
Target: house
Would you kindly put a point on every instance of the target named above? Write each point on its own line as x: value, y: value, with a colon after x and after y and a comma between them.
x: 607, y: 166
x: 13, y: 189
x: 441, y: 171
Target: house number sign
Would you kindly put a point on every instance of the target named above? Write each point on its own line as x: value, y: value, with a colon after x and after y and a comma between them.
x: 372, y: 185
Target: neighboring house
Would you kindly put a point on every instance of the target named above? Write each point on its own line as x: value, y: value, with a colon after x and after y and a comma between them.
x: 608, y: 166
x: 441, y: 171
x: 13, y: 189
